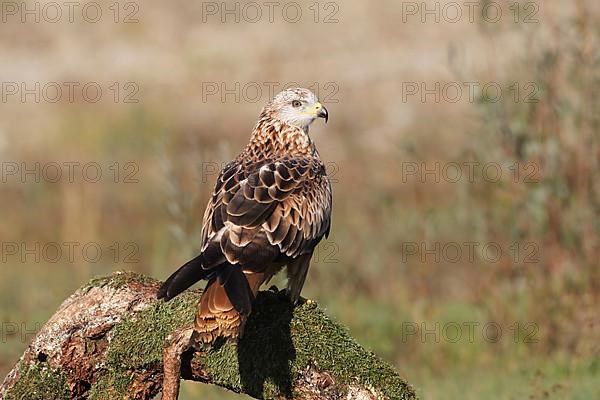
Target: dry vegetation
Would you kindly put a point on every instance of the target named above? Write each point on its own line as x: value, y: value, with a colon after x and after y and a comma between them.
x: 545, y: 218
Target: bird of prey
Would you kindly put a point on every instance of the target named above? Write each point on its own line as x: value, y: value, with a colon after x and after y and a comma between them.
x: 270, y: 207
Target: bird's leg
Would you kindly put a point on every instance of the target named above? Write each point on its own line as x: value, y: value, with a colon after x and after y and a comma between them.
x: 297, y: 271
x: 177, y: 343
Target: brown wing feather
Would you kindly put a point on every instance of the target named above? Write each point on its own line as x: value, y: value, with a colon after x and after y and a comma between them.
x: 288, y: 200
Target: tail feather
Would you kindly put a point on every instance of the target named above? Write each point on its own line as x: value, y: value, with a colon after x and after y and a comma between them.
x: 188, y: 274
x: 226, y: 304
x: 237, y: 288
x: 216, y: 316
x: 226, y: 301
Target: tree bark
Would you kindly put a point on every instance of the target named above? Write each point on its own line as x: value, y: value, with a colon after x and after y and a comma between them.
x: 110, y: 338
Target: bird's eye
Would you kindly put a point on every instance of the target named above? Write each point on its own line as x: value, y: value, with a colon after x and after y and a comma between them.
x: 296, y: 103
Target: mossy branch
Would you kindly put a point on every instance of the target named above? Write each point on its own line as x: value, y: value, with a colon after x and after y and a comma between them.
x: 106, y: 342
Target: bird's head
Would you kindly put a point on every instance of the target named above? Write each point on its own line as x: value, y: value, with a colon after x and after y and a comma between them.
x: 297, y: 107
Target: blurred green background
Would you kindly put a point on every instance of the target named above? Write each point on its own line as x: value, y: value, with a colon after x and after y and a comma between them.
x: 181, y: 89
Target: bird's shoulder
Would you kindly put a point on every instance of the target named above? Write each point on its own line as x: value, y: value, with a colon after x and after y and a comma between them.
x: 280, y: 174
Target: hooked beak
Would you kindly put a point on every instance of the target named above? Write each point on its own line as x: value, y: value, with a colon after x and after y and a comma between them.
x: 322, y: 112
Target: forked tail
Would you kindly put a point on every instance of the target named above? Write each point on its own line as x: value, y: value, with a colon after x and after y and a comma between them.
x: 226, y: 302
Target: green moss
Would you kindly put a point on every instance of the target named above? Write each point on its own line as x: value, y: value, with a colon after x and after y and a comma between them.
x: 111, y: 385
x: 117, y: 280
x: 318, y: 338
x: 139, y: 340
x: 280, y: 341
x: 37, y: 382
